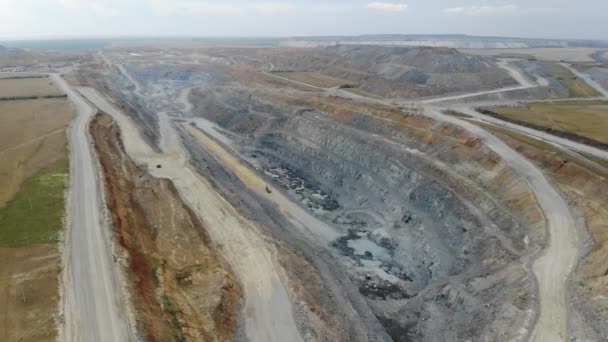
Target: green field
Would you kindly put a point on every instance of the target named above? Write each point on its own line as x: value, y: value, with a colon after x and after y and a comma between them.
x: 36, y: 213
x: 550, y: 149
x: 583, y: 119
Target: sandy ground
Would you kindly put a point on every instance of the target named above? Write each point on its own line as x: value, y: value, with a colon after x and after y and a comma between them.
x: 92, y: 301
x: 28, y: 293
x: 268, y: 313
x: 32, y: 136
x: 27, y: 87
x: 543, y: 54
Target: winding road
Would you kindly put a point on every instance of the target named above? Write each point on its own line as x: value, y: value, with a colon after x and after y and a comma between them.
x: 92, y: 305
x: 553, y: 267
x: 559, y: 257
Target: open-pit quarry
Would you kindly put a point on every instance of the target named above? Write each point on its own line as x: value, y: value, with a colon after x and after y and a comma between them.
x: 338, y: 193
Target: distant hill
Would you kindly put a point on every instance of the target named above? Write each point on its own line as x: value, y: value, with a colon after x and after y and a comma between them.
x: 397, y: 71
x: 10, y: 57
x: 458, y: 41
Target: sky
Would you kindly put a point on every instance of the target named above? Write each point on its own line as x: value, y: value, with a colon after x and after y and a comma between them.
x: 26, y: 19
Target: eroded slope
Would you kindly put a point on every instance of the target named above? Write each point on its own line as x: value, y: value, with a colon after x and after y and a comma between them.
x: 180, y: 288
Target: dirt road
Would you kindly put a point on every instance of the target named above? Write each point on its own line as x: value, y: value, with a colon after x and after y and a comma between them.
x: 91, y: 296
x: 560, y: 255
x: 267, y: 312
x: 292, y: 81
x: 524, y: 83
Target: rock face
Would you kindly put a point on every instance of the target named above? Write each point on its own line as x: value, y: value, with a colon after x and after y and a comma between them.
x: 399, y: 71
x: 434, y: 231
x: 423, y: 253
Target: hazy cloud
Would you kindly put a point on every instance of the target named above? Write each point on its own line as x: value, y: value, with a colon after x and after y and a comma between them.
x: 103, y: 11
x: 191, y: 7
x: 95, y: 8
x: 527, y: 18
x: 481, y: 10
x: 70, y: 4
x: 388, y: 6
x: 273, y: 7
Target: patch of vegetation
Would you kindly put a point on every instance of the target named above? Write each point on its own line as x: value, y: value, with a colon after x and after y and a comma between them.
x: 169, y: 309
x: 61, y: 96
x: 554, y: 151
x: 521, y: 138
x: 597, y: 160
x: 600, y: 56
x: 22, y: 77
x: 359, y: 91
x: 18, y: 98
x: 576, y: 86
x: 36, y: 213
x: 570, y: 103
x: 578, y: 121
x: 33, y: 97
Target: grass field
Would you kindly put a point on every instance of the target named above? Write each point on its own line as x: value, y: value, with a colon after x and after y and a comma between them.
x: 315, y: 79
x: 32, y: 137
x: 550, y: 149
x: 576, y: 86
x: 586, y: 119
x: 33, y: 179
x: 27, y: 87
x: 28, y: 292
x: 35, y: 214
